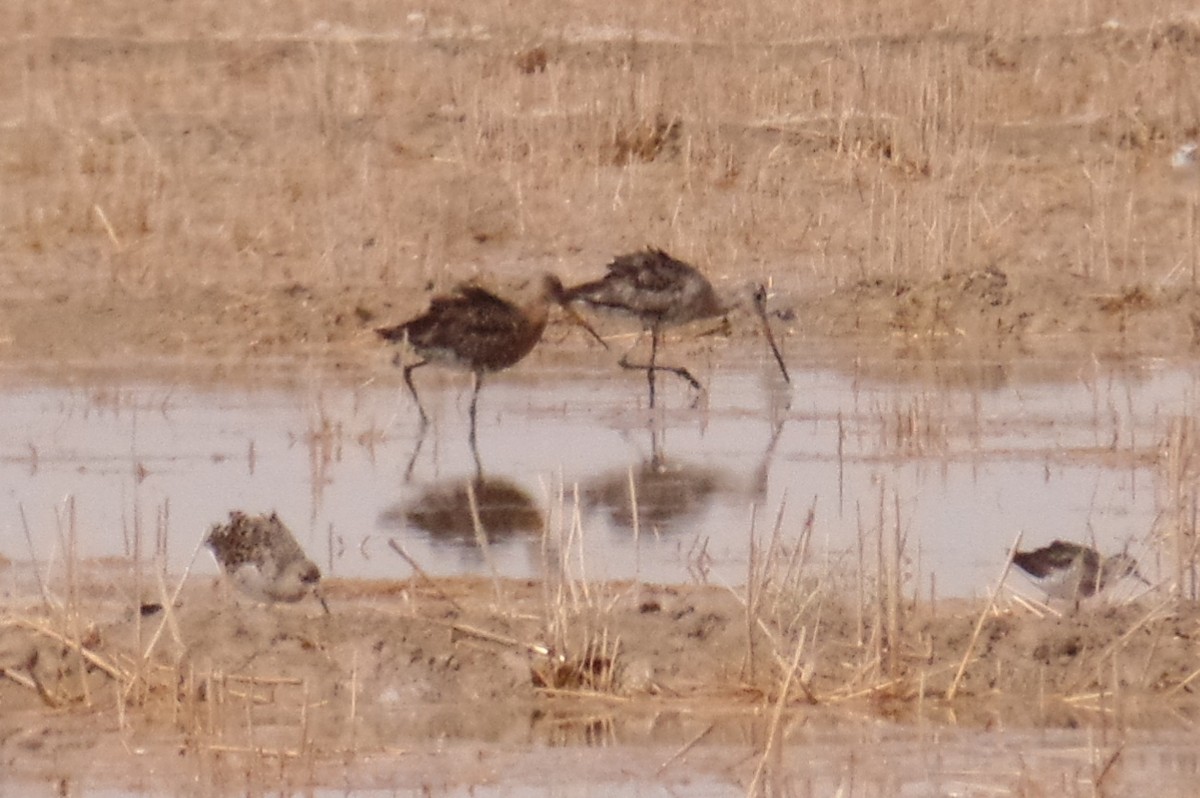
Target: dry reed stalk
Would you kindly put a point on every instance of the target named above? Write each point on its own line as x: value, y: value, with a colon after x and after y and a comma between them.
x: 37, y: 574
x: 1182, y: 500
x: 273, y: 753
x: 860, y: 576
x: 19, y: 678
x: 684, y: 749
x: 1037, y: 608
x: 423, y: 575
x: 576, y: 537
x: 1191, y: 677
x: 304, y: 733
x: 894, y: 597
x: 481, y: 540
x: 952, y: 691
x: 353, y: 719
x: 262, y: 681
x: 751, y: 602
x: 841, y: 460
x: 776, y: 718
x: 882, y: 592
x: 168, y: 620
x: 92, y: 658
x: 119, y: 700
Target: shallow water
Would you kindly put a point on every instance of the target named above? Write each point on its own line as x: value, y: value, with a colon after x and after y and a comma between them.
x: 958, y: 466
x: 816, y: 759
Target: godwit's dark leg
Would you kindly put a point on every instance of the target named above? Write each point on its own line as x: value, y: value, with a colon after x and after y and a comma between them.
x: 412, y: 461
x: 653, y: 358
x: 475, y: 455
x: 760, y: 305
x: 478, y: 380
x: 653, y: 367
x: 625, y: 364
x: 408, y: 370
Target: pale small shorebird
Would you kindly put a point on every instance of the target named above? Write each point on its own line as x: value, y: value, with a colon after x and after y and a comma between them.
x: 1185, y: 156
x: 1072, y: 572
x: 259, y: 555
x: 661, y: 291
x: 475, y: 330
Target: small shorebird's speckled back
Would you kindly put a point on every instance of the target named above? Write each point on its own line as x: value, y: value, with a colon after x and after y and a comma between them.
x: 262, y: 558
x: 1071, y: 571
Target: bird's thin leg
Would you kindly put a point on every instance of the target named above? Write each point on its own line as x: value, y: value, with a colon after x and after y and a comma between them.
x: 653, y: 358
x: 412, y: 461
x: 478, y: 380
x: 408, y: 370
x: 760, y: 306
x: 653, y: 366
x: 475, y: 455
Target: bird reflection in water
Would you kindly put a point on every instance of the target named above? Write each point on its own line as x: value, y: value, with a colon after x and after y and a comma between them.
x: 473, y: 510
x: 660, y: 494
x: 657, y: 494
x: 663, y: 492
x: 459, y: 510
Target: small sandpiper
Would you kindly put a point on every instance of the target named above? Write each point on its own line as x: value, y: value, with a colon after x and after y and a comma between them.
x: 262, y: 558
x: 1072, y: 572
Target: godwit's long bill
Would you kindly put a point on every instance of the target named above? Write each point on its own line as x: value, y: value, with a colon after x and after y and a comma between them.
x: 661, y: 291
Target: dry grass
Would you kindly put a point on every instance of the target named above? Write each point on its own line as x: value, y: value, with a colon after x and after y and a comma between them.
x: 337, y: 143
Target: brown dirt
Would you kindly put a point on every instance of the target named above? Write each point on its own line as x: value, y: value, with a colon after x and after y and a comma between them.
x: 515, y: 663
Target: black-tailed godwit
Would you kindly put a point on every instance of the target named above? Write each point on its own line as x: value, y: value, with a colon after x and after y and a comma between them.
x: 661, y: 291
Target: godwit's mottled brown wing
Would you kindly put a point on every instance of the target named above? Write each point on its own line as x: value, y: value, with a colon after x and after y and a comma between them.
x: 1053, y: 558
x: 470, y: 310
x: 473, y: 328
x: 652, y: 286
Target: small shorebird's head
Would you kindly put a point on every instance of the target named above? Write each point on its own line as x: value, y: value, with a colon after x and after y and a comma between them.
x: 1118, y: 567
x: 297, y: 580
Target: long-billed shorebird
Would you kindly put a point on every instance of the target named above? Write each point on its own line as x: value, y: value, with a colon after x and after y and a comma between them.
x: 260, y: 557
x: 1072, y: 571
x: 475, y: 330
x: 661, y: 291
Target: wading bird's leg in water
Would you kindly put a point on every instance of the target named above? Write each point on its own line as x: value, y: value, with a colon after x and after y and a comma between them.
x: 478, y: 380
x: 653, y: 367
x: 412, y: 461
x: 653, y: 358
x: 408, y: 370
x: 475, y: 455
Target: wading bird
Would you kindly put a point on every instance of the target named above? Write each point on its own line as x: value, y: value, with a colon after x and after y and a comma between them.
x: 475, y: 330
x: 260, y: 556
x: 660, y: 291
x: 1072, y: 572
